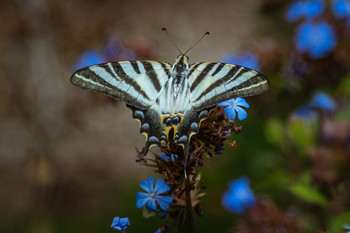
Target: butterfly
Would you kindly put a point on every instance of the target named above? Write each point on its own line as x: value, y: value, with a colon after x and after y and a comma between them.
x: 168, y: 100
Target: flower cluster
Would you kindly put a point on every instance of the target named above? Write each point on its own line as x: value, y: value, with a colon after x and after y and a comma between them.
x: 317, y: 39
x: 310, y: 9
x: 320, y: 102
x: 341, y: 10
x: 315, y: 36
x: 173, y: 194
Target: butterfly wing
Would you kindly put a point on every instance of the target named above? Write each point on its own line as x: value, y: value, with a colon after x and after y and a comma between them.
x: 212, y: 83
x: 137, y: 83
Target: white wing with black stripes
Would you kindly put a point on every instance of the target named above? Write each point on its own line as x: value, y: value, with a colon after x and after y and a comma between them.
x: 137, y: 83
x: 212, y: 83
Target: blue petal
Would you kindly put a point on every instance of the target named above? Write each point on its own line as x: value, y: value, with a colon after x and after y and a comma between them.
x: 238, y: 183
x: 317, y: 39
x: 90, y: 57
x: 115, y: 223
x: 241, y: 102
x: 161, y: 187
x: 242, y: 114
x: 147, y: 185
x: 314, y: 8
x: 341, y: 8
x: 304, y: 112
x: 323, y: 101
x: 124, y: 222
x: 294, y: 11
x: 239, y: 197
x: 235, y: 205
x: 225, y: 103
x: 151, y: 205
x: 231, y: 203
x: 309, y: 9
x: 230, y: 112
x: 164, y: 202
x: 166, y: 158
x: 120, y: 223
x: 142, y: 199
x: 173, y: 157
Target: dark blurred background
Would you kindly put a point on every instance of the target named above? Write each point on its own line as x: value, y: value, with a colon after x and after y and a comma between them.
x: 67, y: 156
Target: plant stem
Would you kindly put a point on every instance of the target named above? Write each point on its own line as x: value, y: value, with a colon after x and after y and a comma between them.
x: 190, y: 214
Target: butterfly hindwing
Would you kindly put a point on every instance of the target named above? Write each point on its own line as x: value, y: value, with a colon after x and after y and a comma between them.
x: 212, y: 83
x: 150, y: 125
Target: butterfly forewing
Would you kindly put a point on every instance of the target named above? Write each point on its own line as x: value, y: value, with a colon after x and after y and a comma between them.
x: 212, y: 83
x: 137, y: 83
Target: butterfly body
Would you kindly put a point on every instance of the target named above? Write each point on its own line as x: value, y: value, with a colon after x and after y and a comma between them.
x: 164, y: 97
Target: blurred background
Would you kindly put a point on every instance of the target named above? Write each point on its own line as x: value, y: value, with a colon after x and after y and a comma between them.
x: 67, y: 156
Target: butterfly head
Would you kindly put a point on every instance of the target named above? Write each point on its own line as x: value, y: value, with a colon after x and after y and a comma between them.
x: 181, y: 64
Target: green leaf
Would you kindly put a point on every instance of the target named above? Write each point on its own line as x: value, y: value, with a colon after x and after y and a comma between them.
x: 343, y: 114
x: 274, y: 132
x: 301, y: 133
x: 147, y: 213
x: 308, y: 194
x: 336, y: 223
x: 344, y: 86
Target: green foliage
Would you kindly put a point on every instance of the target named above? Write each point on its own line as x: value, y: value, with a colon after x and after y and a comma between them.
x: 308, y: 194
x: 336, y: 223
x: 344, y: 87
x: 274, y: 131
x: 301, y: 134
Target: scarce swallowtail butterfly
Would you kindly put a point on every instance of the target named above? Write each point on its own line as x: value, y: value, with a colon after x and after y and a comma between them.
x: 163, y: 97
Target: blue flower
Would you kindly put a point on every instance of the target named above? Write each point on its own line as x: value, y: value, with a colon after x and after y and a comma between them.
x: 166, y: 158
x: 120, y: 223
x: 323, y: 101
x: 341, y: 8
x: 316, y: 39
x: 89, y: 58
x: 309, y: 9
x: 305, y: 112
x: 246, y: 59
x: 319, y: 101
x: 239, y: 197
x: 233, y: 106
x: 158, y: 231
x: 347, y: 227
x: 153, y: 194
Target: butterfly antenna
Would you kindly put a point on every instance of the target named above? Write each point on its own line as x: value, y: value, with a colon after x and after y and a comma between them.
x: 164, y: 29
x: 205, y: 34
